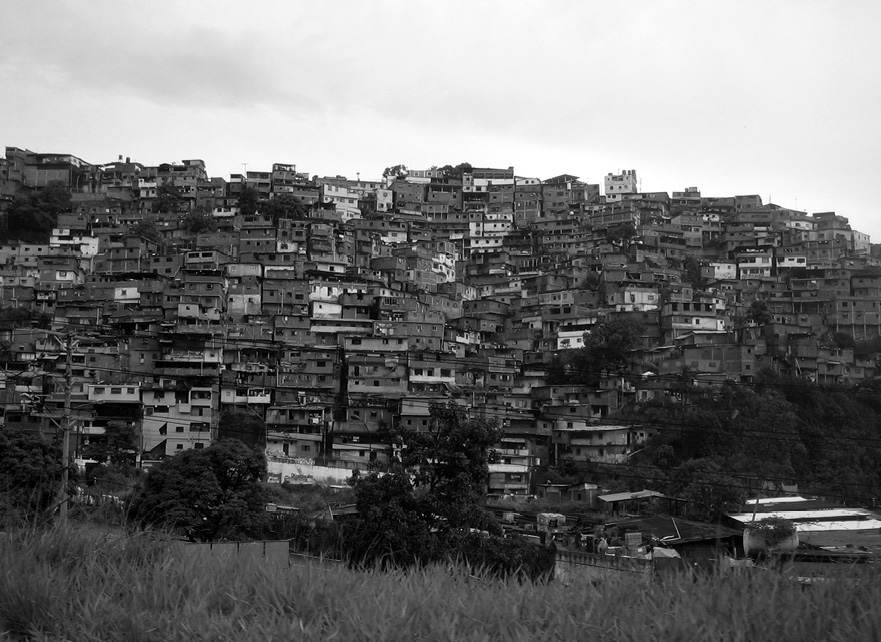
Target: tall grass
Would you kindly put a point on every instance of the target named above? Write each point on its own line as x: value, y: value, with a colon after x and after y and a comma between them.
x: 73, y: 585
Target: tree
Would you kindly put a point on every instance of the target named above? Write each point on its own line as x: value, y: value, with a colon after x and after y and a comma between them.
x: 772, y: 531
x: 119, y: 448
x: 244, y: 426
x: 555, y: 371
x: 30, y: 474
x: 758, y: 313
x: 843, y: 340
x: 23, y: 317
x: 591, y: 282
x: 392, y: 528
x: 611, y: 341
x: 867, y: 347
x: 622, y: 234
x: 249, y: 199
x: 708, y: 490
x: 283, y: 206
x: 451, y: 463
x: 433, y: 490
x: 31, y: 218
x: 784, y: 430
x: 395, y: 171
x: 199, y: 221
x: 457, y: 171
x: 169, y: 198
x: 692, y: 269
x: 147, y: 229
x: 208, y: 493
x: 607, y: 347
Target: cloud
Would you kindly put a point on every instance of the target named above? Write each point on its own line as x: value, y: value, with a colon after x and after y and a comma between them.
x: 744, y: 97
x: 157, y: 60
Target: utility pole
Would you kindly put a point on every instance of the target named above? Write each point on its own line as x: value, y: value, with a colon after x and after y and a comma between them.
x: 65, y: 443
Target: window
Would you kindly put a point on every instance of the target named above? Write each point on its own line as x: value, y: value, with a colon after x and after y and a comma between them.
x: 199, y: 446
x: 179, y: 447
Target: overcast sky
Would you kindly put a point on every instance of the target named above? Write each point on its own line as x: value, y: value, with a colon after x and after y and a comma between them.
x: 781, y: 99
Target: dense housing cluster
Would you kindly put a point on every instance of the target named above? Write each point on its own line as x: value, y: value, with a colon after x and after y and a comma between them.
x: 331, y: 307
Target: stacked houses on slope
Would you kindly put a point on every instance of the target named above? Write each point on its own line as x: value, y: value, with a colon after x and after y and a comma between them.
x: 355, y: 304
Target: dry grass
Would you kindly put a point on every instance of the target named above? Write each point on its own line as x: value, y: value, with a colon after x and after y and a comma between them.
x: 75, y: 585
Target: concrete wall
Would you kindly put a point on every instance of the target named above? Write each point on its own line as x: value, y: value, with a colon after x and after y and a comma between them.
x: 304, y: 471
x: 574, y: 564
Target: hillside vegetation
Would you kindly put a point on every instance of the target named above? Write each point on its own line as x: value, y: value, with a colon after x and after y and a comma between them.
x: 715, y: 448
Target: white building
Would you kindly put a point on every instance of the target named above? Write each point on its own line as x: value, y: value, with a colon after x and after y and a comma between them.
x: 616, y: 185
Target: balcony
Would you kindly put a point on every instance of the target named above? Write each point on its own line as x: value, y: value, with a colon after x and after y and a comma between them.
x: 116, y: 394
x: 512, y: 452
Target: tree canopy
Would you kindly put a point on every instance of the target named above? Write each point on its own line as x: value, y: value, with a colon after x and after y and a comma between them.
x: 199, y: 221
x: 395, y: 171
x: 607, y: 347
x: 30, y: 474
x: 622, y: 234
x: 169, y: 198
x: 456, y: 172
x: 244, y: 426
x: 434, y: 488
x: 31, y: 218
x: 147, y: 229
x: 119, y: 447
x: 692, y: 268
x: 249, y: 200
x: 759, y: 313
x: 20, y: 317
x: 283, y: 206
x: 209, y: 493
x: 716, y: 447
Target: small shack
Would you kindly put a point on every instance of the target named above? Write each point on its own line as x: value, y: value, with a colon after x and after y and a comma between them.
x: 697, y: 542
x: 559, y: 493
x: 637, y: 502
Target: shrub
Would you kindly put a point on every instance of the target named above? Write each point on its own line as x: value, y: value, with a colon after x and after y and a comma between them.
x: 772, y: 530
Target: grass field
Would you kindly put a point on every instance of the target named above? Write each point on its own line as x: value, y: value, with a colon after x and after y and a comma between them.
x: 82, y: 586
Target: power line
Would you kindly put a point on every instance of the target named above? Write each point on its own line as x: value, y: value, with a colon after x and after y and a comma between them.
x: 687, y: 381
x: 488, y: 361
x: 633, y: 421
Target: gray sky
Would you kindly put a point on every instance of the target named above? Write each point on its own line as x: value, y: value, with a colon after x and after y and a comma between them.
x: 776, y: 98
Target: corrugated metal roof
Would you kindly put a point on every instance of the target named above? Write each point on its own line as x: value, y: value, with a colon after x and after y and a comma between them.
x: 819, y: 523
x: 675, y: 530
x: 858, y: 518
x: 640, y: 494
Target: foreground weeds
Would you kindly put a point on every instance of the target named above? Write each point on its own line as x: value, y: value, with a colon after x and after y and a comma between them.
x: 71, y: 585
